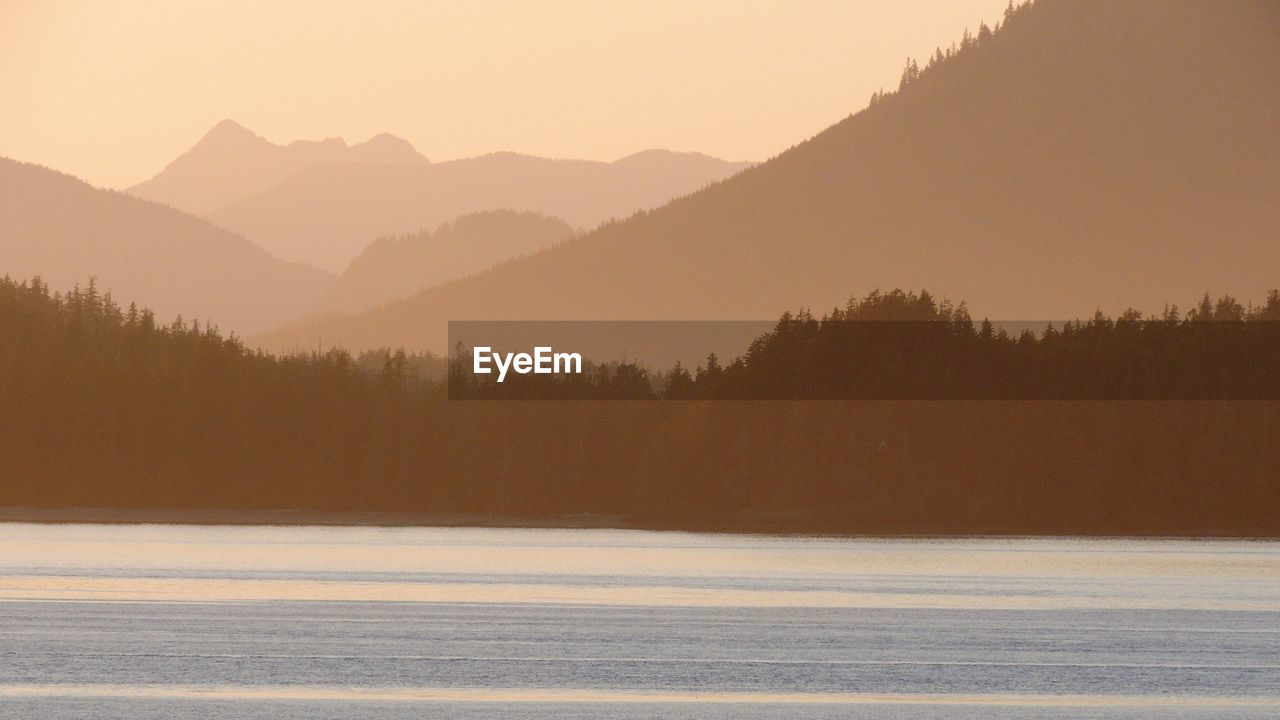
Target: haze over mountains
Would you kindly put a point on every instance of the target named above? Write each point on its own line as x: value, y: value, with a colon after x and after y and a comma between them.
x: 66, y: 231
x: 150, y: 246
x: 1086, y: 155
x: 326, y: 213
x: 321, y: 202
x: 392, y: 268
x: 231, y: 162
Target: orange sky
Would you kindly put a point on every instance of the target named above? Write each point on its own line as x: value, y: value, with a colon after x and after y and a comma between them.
x: 111, y: 91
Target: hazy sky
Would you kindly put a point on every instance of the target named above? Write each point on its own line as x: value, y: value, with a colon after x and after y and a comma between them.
x: 111, y: 91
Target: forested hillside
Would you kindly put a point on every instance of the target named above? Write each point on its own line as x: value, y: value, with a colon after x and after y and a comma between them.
x: 103, y: 407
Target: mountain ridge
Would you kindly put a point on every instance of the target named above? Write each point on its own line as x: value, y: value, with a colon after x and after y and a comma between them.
x: 326, y: 213
x: 393, y: 267
x: 64, y: 230
x: 231, y: 162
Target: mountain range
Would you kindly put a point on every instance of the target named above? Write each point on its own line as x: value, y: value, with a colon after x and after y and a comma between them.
x: 321, y: 202
x: 394, y: 219
x: 1078, y: 156
x: 326, y: 213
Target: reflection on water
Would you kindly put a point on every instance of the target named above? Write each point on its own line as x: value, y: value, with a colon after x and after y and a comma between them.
x: 181, y: 621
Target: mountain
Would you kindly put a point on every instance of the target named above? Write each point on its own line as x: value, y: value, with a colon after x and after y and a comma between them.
x: 230, y: 162
x: 326, y: 213
x: 392, y: 268
x: 64, y: 230
x: 1083, y: 155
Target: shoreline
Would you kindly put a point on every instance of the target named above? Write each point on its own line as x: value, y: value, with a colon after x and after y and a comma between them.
x: 790, y: 527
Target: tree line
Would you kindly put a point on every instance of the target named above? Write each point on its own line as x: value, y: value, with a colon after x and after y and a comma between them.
x: 908, y: 346
x: 912, y: 72
x: 104, y: 407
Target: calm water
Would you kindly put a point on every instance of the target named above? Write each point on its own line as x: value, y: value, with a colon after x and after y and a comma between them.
x: 255, y: 622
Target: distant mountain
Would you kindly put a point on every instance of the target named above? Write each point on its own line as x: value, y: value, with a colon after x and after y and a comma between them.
x: 326, y: 213
x: 392, y: 268
x: 65, y: 230
x: 1083, y: 155
x: 231, y: 162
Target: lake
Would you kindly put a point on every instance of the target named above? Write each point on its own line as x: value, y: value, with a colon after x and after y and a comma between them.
x: 173, y: 621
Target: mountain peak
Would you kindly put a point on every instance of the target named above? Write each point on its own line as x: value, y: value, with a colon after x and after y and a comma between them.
x: 228, y: 130
x: 388, y: 149
x: 387, y: 139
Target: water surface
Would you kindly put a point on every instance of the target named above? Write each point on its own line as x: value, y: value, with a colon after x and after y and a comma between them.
x: 306, y: 622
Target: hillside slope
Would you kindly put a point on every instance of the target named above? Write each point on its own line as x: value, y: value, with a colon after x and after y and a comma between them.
x: 1085, y: 155
x: 66, y: 231
x: 392, y: 268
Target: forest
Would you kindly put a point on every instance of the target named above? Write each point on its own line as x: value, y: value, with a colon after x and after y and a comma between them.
x: 105, y: 407
x: 907, y: 346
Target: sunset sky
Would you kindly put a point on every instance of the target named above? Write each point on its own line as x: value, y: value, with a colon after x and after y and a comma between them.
x: 111, y: 91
